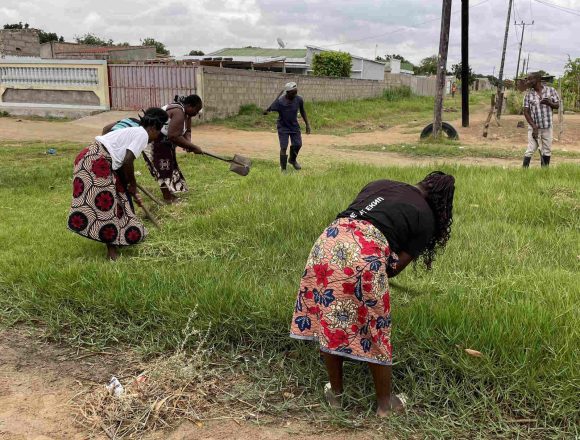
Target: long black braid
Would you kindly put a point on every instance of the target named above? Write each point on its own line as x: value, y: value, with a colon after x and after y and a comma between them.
x: 153, y: 117
x: 440, y: 188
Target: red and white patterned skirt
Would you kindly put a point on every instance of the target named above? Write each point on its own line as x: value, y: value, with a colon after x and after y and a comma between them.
x: 101, y: 208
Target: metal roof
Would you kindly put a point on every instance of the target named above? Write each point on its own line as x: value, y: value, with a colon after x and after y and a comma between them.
x: 259, y: 52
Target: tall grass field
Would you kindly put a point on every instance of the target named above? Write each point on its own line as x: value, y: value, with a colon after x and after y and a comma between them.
x: 507, y: 285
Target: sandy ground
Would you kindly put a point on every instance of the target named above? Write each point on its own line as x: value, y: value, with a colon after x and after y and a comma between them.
x: 38, y: 380
x: 263, y: 145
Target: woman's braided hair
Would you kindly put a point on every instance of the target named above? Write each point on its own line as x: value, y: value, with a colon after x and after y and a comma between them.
x: 440, y: 188
x: 153, y: 117
x: 192, y: 100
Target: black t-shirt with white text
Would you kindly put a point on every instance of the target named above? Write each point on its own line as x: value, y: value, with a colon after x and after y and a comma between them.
x: 399, y: 211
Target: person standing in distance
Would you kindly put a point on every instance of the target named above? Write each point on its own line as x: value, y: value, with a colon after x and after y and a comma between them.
x: 539, y: 104
x: 287, y: 104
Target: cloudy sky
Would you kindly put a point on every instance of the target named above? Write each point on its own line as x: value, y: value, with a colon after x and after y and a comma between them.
x: 362, y: 27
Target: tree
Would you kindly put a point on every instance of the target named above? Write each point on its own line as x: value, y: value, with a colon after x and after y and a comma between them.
x: 456, y: 70
x: 571, y: 84
x: 159, y: 47
x: 196, y: 52
x: 332, y: 64
x: 18, y: 25
x: 428, y: 66
x: 93, y: 40
x: 47, y: 37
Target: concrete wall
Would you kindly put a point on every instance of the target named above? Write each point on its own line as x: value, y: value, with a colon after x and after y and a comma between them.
x: 53, y: 85
x: 19, y: 42
x: 224, y: 91
x: 73, y: 51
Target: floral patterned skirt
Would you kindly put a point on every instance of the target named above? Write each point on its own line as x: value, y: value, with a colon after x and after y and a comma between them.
x: 101, y: 209
x: 344, y: 301
x: 162, y: 163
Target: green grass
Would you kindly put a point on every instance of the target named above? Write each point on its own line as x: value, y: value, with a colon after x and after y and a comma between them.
x: 507, y: 285
x: 395, y: 107
x: 448, y: 148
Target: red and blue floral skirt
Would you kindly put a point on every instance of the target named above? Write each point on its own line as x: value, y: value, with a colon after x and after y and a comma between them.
x: 101, y: 209
x: 343, y: 301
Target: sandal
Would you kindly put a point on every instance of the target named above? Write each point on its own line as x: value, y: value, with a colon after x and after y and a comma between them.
x: 334, y: 400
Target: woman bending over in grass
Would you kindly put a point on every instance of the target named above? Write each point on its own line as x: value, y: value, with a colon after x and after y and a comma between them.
x: 344, y: 301
x: 104, y: 184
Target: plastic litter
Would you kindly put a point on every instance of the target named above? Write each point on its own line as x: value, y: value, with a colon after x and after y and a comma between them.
x: 115, y: 388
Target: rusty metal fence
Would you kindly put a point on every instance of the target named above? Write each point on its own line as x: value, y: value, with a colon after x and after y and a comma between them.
x: 138, y: 86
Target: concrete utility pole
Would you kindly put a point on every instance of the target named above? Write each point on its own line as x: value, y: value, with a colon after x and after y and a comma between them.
x: 523, y: 67
x: 528, y: 63
x: 499, y: 102
x: 523, y: 25
x: 441, y: 66
x: 465, y: 63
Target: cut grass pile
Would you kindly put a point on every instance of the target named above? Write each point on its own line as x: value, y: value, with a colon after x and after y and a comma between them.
x: 394, y: 107
x: 507, y: 286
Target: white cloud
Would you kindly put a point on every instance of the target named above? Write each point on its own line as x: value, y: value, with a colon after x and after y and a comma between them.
x: 408, y: 27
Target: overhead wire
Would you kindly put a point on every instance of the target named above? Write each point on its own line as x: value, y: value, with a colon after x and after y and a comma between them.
x: 565, y: 9
x: 399, y: 29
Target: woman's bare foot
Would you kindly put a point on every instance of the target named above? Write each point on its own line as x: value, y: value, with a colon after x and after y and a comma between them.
x: 112, y: 252
x: 395, y: 405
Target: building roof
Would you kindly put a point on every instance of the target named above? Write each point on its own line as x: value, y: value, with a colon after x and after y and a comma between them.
x: 259, y: 52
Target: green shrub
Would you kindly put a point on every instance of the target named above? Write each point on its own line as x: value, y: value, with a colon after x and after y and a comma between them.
x: 515, y: 103
x: 332, y: 64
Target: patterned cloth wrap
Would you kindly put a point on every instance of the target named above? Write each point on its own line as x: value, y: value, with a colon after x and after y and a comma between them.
x: 101, y: 208
x: 162, y: 163
x: 343, y: 301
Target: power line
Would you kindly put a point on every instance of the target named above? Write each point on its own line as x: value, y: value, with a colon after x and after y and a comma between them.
x: 575, y: 12
x: 399, y: 29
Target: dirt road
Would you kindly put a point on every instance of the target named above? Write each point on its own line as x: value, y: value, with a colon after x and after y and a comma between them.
x: 263, y: 145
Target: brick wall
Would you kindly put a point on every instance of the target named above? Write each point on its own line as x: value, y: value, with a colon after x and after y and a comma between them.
x: 19, y: 42
x: 225, y: 90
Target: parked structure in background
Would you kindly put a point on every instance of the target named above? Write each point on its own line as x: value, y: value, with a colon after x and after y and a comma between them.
x: 394, y: 65
x: 482, y: 84
x: 19, y: 42
x: 74, y: 51
x: 298, y: 61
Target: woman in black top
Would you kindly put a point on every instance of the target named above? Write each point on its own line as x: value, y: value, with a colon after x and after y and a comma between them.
x: 343, y: 301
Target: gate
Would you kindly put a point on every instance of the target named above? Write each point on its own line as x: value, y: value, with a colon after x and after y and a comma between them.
x: 139, y: 86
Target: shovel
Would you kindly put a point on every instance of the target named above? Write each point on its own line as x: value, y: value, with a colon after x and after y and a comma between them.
x: 239, y: 164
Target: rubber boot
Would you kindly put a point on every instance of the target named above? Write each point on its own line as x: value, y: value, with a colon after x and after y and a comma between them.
x: 546, y: 161
x: 283, y: 162
x: 526, y: 163
x: 293, y: 156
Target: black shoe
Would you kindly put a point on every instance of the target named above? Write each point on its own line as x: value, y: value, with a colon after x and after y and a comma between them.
x: 527, y: 162
x: 546, y: 160
x: 283, y: 162
x: 293, y: 156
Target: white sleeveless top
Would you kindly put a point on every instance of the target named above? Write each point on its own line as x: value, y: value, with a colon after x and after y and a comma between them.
x: 165, y: 128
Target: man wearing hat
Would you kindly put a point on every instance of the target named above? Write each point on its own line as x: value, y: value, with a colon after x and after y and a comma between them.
x: 287, y: 105
x: 539, y: 104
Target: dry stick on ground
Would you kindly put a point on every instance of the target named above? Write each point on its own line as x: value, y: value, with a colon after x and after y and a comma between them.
x: 492, y: 112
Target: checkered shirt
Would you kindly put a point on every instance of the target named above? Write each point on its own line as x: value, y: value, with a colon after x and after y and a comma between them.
x: 541, y: 114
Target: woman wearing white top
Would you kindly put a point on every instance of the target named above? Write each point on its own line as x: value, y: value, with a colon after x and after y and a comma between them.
x: 160, y: 155
x: 104, y: 181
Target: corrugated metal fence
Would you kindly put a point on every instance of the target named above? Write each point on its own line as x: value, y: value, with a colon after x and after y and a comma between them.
x: 138, y: 86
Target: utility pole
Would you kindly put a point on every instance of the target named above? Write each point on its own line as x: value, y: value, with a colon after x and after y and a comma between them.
x: 465, y: 63
x: 523, y: 67
x: 441, y: 67
x: 528, y: 63
x: 523, y: 25
x: 499, y: 102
